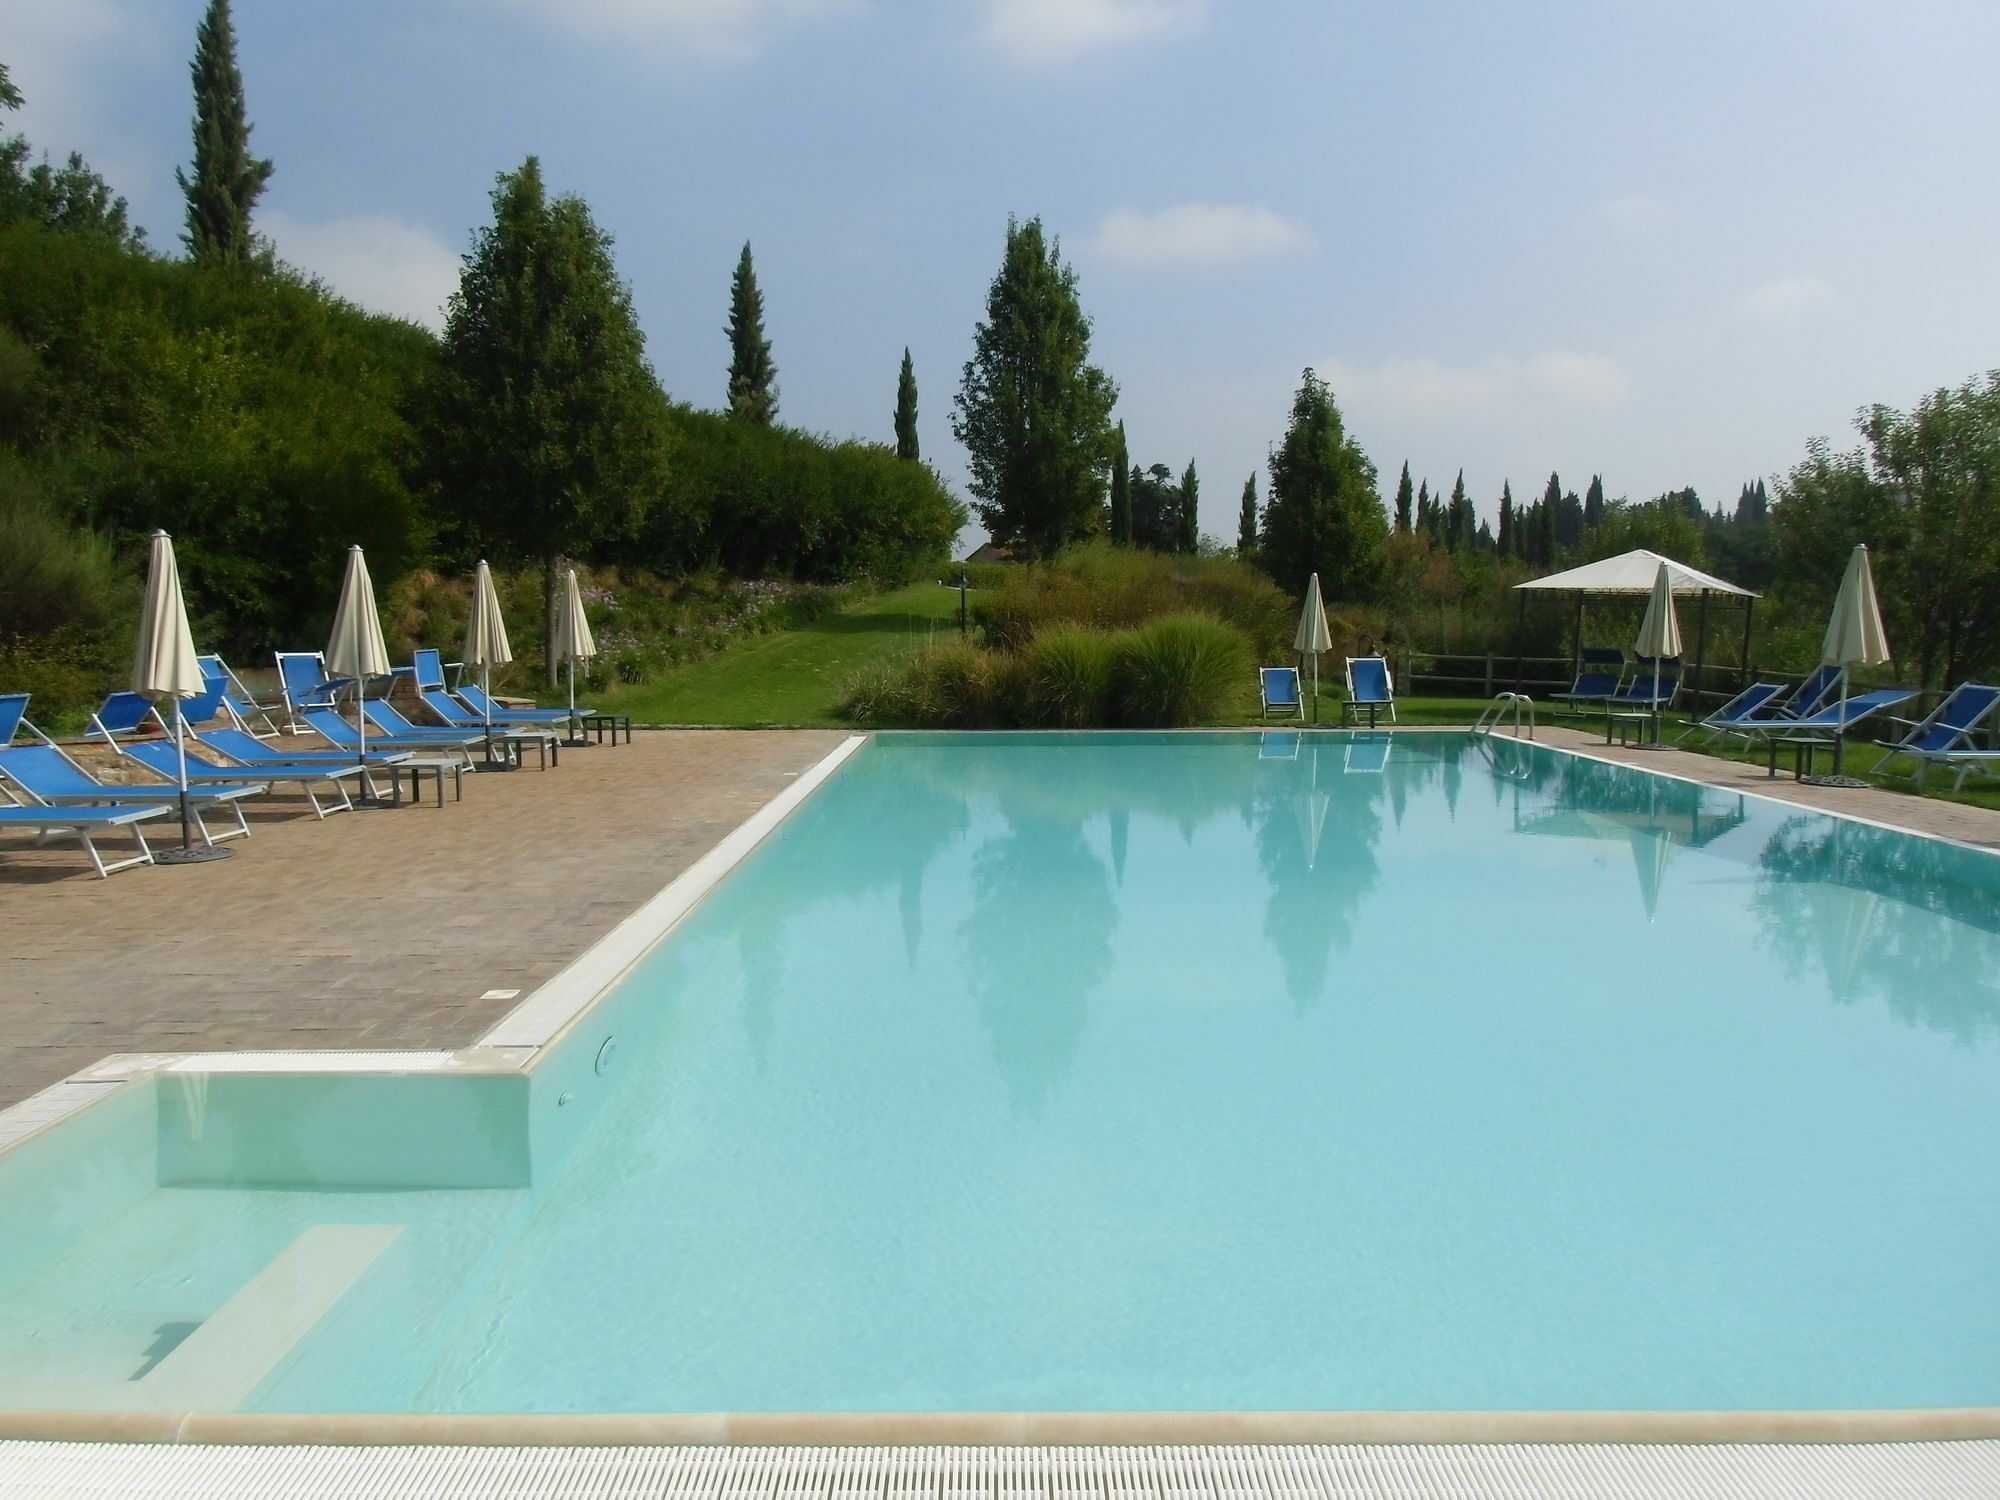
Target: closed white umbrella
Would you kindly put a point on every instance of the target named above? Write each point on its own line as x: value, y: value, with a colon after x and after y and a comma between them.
x: 1854, y: 633
x: 573, y: 642
x: 486, y: 642
x: 165, y: 670
x: 1659, y: 635
x: 1313, y: 637
x: 356, y: 648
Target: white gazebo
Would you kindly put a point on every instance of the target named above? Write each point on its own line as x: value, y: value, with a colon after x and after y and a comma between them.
x: 1634, y: 574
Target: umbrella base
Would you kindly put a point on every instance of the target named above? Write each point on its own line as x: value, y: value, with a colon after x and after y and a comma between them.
x: 1843, y: 783
x: 189, y: 856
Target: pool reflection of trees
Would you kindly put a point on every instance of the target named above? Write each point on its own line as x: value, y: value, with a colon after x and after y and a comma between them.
x: 1862, y: 905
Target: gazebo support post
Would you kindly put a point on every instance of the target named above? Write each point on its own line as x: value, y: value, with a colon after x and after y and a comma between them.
x: 1749, y: 619
x: 1520, y: 639
x: 1700, y: 654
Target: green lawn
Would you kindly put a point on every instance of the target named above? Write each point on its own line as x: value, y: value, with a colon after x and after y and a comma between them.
x: 791, y: 678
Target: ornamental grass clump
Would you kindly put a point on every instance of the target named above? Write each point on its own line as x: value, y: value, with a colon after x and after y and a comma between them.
x: 1068, y: 673
x: 1181, y: 670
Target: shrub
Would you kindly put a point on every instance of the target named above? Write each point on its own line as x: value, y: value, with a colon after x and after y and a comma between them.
x: 1181, y: 670
x: 1068, y: 673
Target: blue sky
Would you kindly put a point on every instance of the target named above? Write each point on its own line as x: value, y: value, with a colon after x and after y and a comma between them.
x: 1665, y: 243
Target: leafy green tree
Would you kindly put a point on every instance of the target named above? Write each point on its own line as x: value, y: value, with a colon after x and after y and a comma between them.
x: 1569, y: 522
x: 1323, y: 515
x: 70, y: 198
x: 1403, y: 501
x: 1246, y: 520
x: 1190, y: 513
x: 1032, y: 411
x: 753, y: 378
x: 906, y: 409
x: 1121, y: 490
x: 1753, y: 506
x: 1156, y: 509
x: 1504, y: 543
x: 547, y: 426
x: 227, y: 179
x: 10, y: 97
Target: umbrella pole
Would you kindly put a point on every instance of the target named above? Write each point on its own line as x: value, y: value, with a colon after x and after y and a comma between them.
x: 187, y: 854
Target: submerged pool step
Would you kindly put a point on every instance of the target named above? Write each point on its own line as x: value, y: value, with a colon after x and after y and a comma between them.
x: 237, y: 1348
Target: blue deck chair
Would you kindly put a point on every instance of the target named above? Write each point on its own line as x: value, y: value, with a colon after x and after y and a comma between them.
x: 1943, y: 737
x: 1600, y: 673
x: 1654, y: 685
x: 514, y: 738
x: 1368, y: 688
x: 336, y: 731
x: 474, y: 698
x: 1280, y: 689
x: 241, y: 745
x: 1367, y: 754
x: 1753, y: 706
x: 1819, y: 689
x: 1279, y: 744
x: 304, y: 684
x: 426, y: 675
x: 1830, y: 724
x: 238, y: 702
x: 46, y: 777
x: 426, y: 671
x: 163, y: 757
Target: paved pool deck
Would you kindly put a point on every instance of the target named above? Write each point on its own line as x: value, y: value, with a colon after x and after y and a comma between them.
x: 380, y: 929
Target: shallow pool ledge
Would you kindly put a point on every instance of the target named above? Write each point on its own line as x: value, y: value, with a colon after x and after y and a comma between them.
x: 1009, y: 1429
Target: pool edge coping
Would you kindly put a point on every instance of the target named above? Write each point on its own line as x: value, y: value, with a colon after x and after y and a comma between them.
x: 1007, y: 1429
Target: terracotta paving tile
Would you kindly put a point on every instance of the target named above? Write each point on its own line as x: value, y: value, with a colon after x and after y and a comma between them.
x: 370, y: 929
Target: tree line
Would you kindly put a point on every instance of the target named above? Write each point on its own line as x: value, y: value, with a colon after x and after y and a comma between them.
x: 268, y: 424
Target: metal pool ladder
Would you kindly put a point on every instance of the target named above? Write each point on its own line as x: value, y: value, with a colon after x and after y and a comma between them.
x: 1506, y: 706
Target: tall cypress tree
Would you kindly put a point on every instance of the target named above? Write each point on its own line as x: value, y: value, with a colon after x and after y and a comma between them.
x: 906, y: 409
x: 1593, y: 503
x: 1458, y: 519
x: 1424, y: 506
x: 753, y: 378
x: 1121, y: 489
x: 1323, y: 514
x: 227, y: 179
x: 1246, y: 521
x: 1403, y: 500
x: 1189, y: 540
x: 1504, y: 542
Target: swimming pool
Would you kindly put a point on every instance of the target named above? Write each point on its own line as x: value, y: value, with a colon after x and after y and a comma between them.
x: 1123, y: 1072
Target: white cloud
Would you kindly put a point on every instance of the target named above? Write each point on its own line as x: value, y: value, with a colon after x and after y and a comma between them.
x: 1197, y: 234
x: 1785, y: 297
x: 1634, y: 210
x: 713, y: 30
x: 378, y: 263
x: 1048, y: 33
x: 1423, y: 389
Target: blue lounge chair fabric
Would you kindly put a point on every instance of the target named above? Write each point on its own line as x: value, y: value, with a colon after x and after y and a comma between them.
x: 303, y: 681
x: 1753, y: 706
x: 164, y: 757
x: 1944, y: 735
x: 49, y: 778
x: 1820, y: 687
x: 85, y: 824
x: 477, y: 700
x: 237, y: 701
x: 241, y: 745
x: 336, y: 731
x: 12, y: 707
x: 1600, y: 673
x: 1654, y: 685
x: 1280, y: 689
x: 1834, y: 720
x: 1369, y: 689
x: 512, y: 737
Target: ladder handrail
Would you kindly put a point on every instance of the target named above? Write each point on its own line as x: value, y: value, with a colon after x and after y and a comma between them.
x: 1502, y: 706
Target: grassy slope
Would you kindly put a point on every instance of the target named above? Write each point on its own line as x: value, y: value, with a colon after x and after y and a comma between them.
x: 792, y: 677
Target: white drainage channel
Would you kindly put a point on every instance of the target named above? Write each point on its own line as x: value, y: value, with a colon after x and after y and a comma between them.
x: 1322, y: 1472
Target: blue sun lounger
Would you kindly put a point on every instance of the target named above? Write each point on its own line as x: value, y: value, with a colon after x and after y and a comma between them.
x: 163, y: 757
x: 476, y: 699
x: 1752, y: 707
x: 47, y: 778
x: 467, y: 710
x: 1943, y: 737
x: 241, y: 745
x: 342, y: 735
x: 237, y: 701
x: 86, y: 825
x: 1819, y: 689
x: 1829, y: 724
x: 1280, y: 689
x: 303, y: 681
x: 1369, y: 689
x: 1600, y: 673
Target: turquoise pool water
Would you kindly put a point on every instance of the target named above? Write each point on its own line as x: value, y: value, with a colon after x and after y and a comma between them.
x: 1125, y: 1072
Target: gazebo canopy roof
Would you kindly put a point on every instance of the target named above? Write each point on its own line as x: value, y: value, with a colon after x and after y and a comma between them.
x: 1633, y: 572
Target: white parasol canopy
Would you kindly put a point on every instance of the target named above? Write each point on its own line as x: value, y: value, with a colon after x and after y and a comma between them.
x: 356, y: 648
x: 1660, y: 631
x: 486, y: 636
x: 166, y: 670
x: 1313, y: 637
x: 573, y: 642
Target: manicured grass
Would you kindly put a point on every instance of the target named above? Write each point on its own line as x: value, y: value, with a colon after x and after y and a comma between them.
x: 792, y: 678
